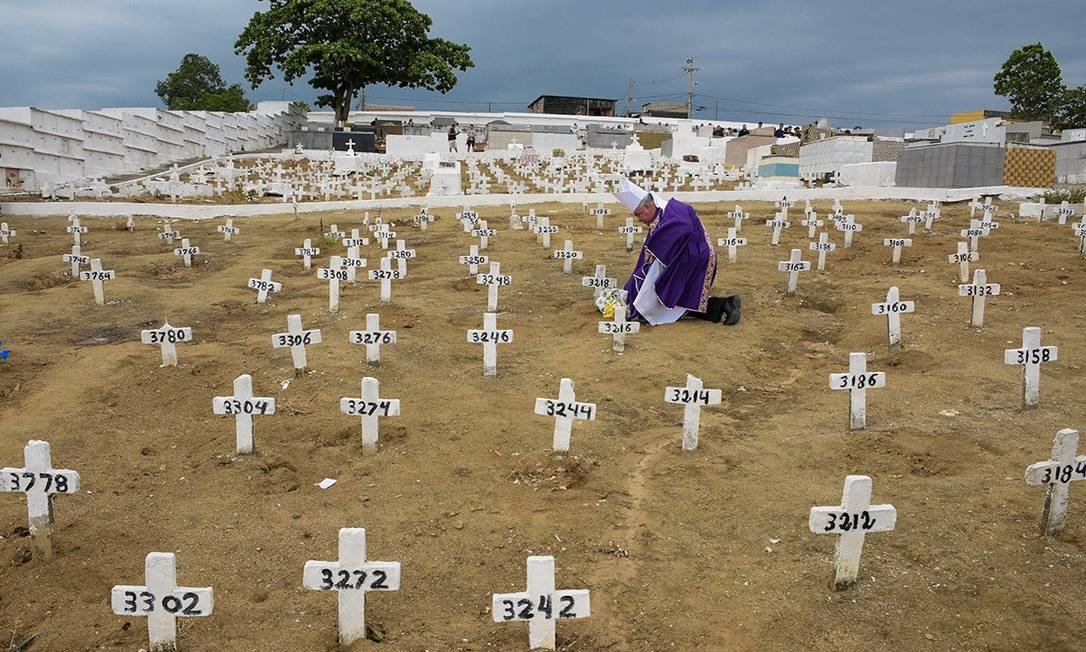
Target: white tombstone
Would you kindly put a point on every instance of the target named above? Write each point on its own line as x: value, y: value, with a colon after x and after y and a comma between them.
x: 629, y: 230
x: 979, y: 290
x: 1063, y: 468
x: 490, y: 336
x: 823, y: 246
x: 264, y: 285
x: 186, y: 252
x: 849, y: 226
x: 473, y: 260
x: 373, y: 337
x: 493, y: 280
x: 618, y: 328
x: 370, y: 407
x: 896, y: 244
x: 893, y: 308
x: 401, y: 254
x: 1031, y: 356
x: 76, y: 259
x: 962, y: 257
x: 227, y: 230
x: 1063, y: 211
x: 307, y: 251
x: 564, y: 410
x: 385, y: 275
x: 39, y: 481
x: 599, y: 281
x: 777, y: 223
x: 693, y: 397
x: 296, y: 340
x: 857, y: 381
x: 243, y: 406
x: 334, y: 274
x: 6, y: 233
x: 167, y: 337
x: 851, y: 521
x: 161, y: 600
x: 793, y: 266
x: 540, y: 604
x: 567, y: 255
x: 812, y: 223
x: 352, y: 576
x: 97, y: 276
x: 731, y: 242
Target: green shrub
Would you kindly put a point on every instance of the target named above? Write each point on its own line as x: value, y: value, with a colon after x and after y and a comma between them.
x: 1073, y: 195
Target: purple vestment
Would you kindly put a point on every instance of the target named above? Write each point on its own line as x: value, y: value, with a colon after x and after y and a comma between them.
x: 678, y: 240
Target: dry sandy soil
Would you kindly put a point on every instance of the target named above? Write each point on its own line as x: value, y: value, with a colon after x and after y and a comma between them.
x: 700, y: 551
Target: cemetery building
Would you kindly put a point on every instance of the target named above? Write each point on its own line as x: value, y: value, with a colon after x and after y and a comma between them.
x: 570, y: 105
x: 664, y: 110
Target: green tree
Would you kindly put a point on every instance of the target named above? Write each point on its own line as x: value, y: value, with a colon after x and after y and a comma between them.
x: 197, y: 85
x: 1072, y: 111
x: 1033, y: 83
x: 347, y: 45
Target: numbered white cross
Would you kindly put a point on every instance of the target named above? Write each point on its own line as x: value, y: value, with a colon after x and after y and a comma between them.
x: 243, y: 406
x: 893, y: 308
x: 599, y: 212
x: 618, y: 328
x: 334, y: 233
x: 371, y: 407
x: 352, y: 576
x: 168, y: 233
x: 849, y: 226
x: 896, y: 244
x: 6, y: 233
x: 373, y: 337
x: 401, y: 254
x: 629, y: 230
x: 227, y: 230
x: 39, y: 481
x: 987, y: 223
x: 564, y: 410
x: 307, y: 251
x: 854, y: 518
x: 1058, y: 472
x: 77, y: 230
x: 484, y: 233
x: 975, y: 231
x: 979, y: 289
x: 738, y: 216
x: 386, y: 275
x: 544, y: 230
x: 540, y: 604
x: 1080, y: 231
x: 930, y: 215
x: 911, y: 220
x: 693, y: 397
x: 161, y: 600
x: 567, y: 255
x: 296, y: 340
x: 793, y: 266
x: 823, y: 246
x: 962, y: 257
x: 1031, y: 356
x: 130, y: 224
x: 422, y: 220
x: 334, y: 273
x: 812, y: 223
x: 264, y: 285
x: 473, y: 260
x: 778, y: 223
x: 493, y: 280
x: 731, y: 242
x: 76, y: 259
x: 186, y: 252
x: 490, y: 336
x: 857, y: 381
x: 1064, y: 211
x: 167, y: 337
x: 97, y: 276
x: 599, y: 281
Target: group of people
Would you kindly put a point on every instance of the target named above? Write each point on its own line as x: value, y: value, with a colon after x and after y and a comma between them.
x: 470, y: 139
x: 780, y: 132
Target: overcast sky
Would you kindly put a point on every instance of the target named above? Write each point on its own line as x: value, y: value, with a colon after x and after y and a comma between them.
x: 870, y: 63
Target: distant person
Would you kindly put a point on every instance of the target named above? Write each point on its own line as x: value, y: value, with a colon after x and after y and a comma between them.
x: 759, y: 124
x: 452, y: 138
x: 471, y: 138
x: 743, y: 131
x: 779, y: 131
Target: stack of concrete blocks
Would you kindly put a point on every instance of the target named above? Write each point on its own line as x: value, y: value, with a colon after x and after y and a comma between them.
x: 824, y: 158
x: 1029, y: 167
x: 950, y: 165
x: 1071, y: 156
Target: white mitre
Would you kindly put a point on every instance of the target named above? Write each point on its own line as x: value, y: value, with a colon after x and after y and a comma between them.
x: 631, y: 195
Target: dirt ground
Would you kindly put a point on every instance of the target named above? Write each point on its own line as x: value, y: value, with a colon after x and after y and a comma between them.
x: 699, y: 551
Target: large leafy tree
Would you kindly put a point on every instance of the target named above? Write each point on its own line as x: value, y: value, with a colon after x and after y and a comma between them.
x: 347, y: 45
x: 1033, y: 83
x: 197, y: 85
x: 1072, y: 111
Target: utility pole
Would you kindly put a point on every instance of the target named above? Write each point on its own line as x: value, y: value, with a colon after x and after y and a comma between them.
x: 629, y: 95
x: 716, y: 112
x: 689, y: 69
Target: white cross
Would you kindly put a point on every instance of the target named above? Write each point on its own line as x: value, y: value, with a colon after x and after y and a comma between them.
x: 793, y: 266
x: 243, y: 406
x: 599, y: 281
x: 564, y: 410
x: 1064, y: 211
x: 1057, y: 472
x: 857, y: 381
x: 130, y: 224
x: 490, y: 337
x: 851, y: 521
x: 352, y: 576
x: 849, y: 226
x: 39, y: 481
x: 228, y: 229
x: 986, y: 222
x: 484, y: 233
x: 423, y: 219
x: 373, y: 337
x: 334, y: 273
x: 334, y: 233
x: 912, y: 219
x: 370, y: 407
x: 976, y: 203
x: 540, y: 604
x: 1080, y: 231
x: 778, y: 222
x: 5, y: 232
x: 161, y: 600
x: 975, y: 231
x: 731, y: 242
x: 599, y: 211
x: 386, y: 275
x: 76, y: 230
x: 629, y: 230
x: 823, y: 246
x: 978, y: 289
x: 296, y: 340
x: 544, y: 230
x: 400, y: 254
x: 962, y: 258
x: 930, y: 215
x: 567, y: 255
x: 168, y: 234
x: 307, y: 251
x: 493, y: 281
x: 383, y: 235
x: 893, y: 308
x: 96, y: 276
x: 186, y: 252
x: 693, y: 397
x: 167, y: 337
x: 264, y: 285
x: 1031, y: 356
x: 618, y: 328
x: 738, y: 216
x: 76, y: 259
x: 812, y: 223
x: 896, y: 244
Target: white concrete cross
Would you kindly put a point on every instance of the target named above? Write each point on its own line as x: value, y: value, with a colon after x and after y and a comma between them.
x: 599, y: 281
x: 567, y: 255
x: 629, y: 230
x: 1080, y: 231
x: 493, y: 280
x: 823, y: 246
x: 893, y: 308
x: 227, y: 230
x: 540, y: 604
x: 186, y: 252
x: 976, y: 203
x: 962, y: 258
x: 738, y: 216
x: 857, y: 381
x: 1063, y: 468
x: 352, y: 576
x: 386, y: 275
x: 243, y: 406
x: 564, y: 410
x: 130, y: 224
x: 97, y: 276
x: 975, y: 231
x: 296, y: 340
x: 778, y: 223
x: 334, y: 233
x: 373, y: 337
x: 600, y: 212
x: 167, y: 337
x: 264, y: 285
x: 77, y: 230
x: 987, y: 224
x: 423, y: 219
x: 1031, y: 356
x: 401, y: 254
x: 911, y: 220
x: 793, y: 266
x: 544, y: 230
x: 168, y: 233
x: 693, y: 397
x: 370, y: 406
x: 979, y: 289
x: 854, y: 518
x: 1064, y: 211
x: 39, y: 481
x: 383, y: 236
x: 473, y: 260
x: 896, y: 245
x: 307, y: 251
x: 334, y: 273
x: 731, y: 242
x: 812, y: 223
x: 490, y: 336
x: 930, y: 215
x: 849, y: 226
x: 76, y: 259
x: 483, y: 231
x: 161, y: 600
x: 618, y: 328
x: 6, y: 233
